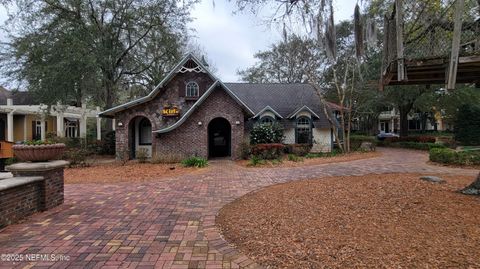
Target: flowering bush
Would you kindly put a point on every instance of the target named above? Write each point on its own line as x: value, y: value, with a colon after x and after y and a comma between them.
x: 266, y: 134
x: 268, y: 151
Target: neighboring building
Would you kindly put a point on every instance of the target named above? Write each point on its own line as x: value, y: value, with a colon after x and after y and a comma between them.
x: 191, y: 112
x: 389, y: 122
x: 23, y: 118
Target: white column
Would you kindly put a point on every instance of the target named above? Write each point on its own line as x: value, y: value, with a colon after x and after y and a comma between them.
x: 83, y: 122
x: 25, y: 128
x: 42, y: 128
x: 10, y: 126
x: 392, y: 125
x: 114, y: 124
x: 99, y: 125
x: 60, y: 125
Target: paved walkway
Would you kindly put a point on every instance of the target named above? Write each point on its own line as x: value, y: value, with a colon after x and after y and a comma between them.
x: 168, y: 223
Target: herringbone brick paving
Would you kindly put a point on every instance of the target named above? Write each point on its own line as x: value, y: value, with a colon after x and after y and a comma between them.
x: 169, y: 223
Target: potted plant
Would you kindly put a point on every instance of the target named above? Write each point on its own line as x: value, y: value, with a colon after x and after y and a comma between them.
x: 38, y: 151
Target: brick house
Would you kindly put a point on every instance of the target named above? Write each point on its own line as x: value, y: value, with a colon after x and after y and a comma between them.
x: 191, y: 112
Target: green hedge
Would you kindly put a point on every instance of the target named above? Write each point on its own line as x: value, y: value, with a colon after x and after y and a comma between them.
x: 356, y: 141
x: 410, y: 145
x: 450, y: 156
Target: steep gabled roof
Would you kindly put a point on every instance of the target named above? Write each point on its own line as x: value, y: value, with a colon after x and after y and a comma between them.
x: 268, y: 108
x: 18, y: 97
x: 178, y: 68
x: 199, y: 102
x: 283, y: 98
x: 303, y: 108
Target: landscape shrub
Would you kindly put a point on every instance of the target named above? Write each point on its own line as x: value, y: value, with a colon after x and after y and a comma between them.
x: 467, y: 125
x: 294, y: 158
x: 266, y: 134
x: 450, y: 156
x: 410, y: 145
x: 255, y: 160
x: 333, y: 153
x: 245, y: 150
x: 166, y: 158
x: 268, y: 151
x: 77, y: 157
x: 357, y: 140
x: 198, y: 162
x: 141, y: 155
x: 417, y: 139
x: 298, y: 149
x: 108, y: 145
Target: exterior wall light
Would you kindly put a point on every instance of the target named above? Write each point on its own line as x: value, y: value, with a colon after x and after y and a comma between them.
x: 237, y: 122
x: 120, y: 124
x: 200, y: 123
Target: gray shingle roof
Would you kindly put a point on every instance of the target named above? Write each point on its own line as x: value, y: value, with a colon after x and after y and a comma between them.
x: 283, y: 98
x: 19, y: 98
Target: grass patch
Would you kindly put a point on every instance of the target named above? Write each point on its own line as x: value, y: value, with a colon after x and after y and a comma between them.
x: 195, y: 162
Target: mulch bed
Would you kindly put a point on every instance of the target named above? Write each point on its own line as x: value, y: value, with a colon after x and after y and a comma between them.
x: 386, y: 221
x: 130, y: 172
x: 315, y: 161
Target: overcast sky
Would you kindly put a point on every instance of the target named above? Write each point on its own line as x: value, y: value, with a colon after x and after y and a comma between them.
x: 229, y: 40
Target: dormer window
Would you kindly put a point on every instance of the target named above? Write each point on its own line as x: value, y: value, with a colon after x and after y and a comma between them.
x: 192, y: 90
x: 267, y: 120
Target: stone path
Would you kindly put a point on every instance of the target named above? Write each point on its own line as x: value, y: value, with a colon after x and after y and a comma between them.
x: 168, y: 223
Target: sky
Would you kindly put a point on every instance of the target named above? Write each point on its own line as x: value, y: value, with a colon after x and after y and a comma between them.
x: 231, y: 40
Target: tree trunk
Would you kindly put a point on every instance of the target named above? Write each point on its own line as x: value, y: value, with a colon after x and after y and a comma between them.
x: 474, y: 188
x: 403, y: 121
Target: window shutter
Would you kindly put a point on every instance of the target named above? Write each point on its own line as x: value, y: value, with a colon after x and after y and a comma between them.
x: 46, y: 128
x: 34, y: 130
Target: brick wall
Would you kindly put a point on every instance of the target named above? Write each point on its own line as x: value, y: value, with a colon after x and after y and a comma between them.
x: 38, y: 191
x: 172, y: 94
x: 52, y: 186
x: 19, y: 202
x: 190, y: 138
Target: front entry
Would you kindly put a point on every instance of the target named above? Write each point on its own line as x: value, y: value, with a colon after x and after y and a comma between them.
x: 219, y: 138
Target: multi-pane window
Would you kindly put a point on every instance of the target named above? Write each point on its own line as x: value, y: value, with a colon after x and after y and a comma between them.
x: 71, y: 128
x: 192, y: 89
x: 304, y: 131
x: 38, y: 130
x: 267, y: 120
x: 145, y: 132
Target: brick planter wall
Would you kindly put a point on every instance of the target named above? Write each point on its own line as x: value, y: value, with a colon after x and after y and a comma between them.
x: 51, y: 186
x: 34, y: 187
x: 20, y: 201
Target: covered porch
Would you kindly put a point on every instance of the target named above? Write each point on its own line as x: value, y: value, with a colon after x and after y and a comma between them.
x: 35, y: 122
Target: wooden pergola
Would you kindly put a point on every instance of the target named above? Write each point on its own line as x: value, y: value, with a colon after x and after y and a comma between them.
x: 444, y: 49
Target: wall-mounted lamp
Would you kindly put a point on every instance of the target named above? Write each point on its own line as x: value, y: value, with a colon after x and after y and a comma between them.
x: 120, y: 124
x: 200, y: 123
x: 237, y: 122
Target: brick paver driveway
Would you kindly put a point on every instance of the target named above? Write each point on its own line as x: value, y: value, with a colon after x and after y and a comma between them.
x: 168, y: 223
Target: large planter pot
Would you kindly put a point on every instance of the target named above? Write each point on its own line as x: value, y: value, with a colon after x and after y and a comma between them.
x: 38, y: 153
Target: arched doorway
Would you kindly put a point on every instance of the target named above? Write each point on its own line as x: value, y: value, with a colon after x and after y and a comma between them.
x: 139, y: 136
x: 219, y: 138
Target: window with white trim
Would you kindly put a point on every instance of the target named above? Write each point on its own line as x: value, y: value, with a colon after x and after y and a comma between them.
x: 267, y: 120
x: 192, y: 89
x: 303, y: 131
x: 71, y: 128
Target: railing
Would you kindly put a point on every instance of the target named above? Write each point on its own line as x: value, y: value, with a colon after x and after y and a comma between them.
x: 422, y: 30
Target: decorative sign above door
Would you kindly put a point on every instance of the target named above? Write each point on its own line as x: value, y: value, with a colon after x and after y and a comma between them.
x: 170, y: 111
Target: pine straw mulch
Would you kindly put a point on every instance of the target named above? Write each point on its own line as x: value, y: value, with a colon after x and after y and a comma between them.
x: 130, y: 172
x: 387, y: 221
x: 314, y: 161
